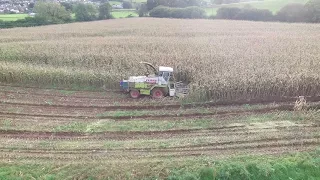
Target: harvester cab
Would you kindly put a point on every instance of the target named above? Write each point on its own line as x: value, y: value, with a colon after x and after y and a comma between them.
x: 157, y: 85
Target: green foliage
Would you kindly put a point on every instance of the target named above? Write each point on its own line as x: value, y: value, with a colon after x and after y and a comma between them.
x: 225, y: 1
x: 206, y: 174
x: 27, y: 22
x: 126, y: 5
x: 105, y: 11
x: 228, y: 12
x: 313, y: 8
x: 183, y: 13
x: 180, y: 175
x: 143, y: 10
x: 124, y: 14
x: 67, y: 5
x: 85, y: 12
x: 295, y: 167
x: 253, y: 14
x: 247, y: 13
x: 172, y: 3
x: 52, y: 12
x: 293, y: 12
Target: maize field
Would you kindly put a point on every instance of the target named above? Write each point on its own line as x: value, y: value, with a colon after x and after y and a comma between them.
x: 62, y: 115
x: 221, y: 60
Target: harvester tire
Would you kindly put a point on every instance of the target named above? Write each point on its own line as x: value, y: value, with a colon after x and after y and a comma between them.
x: 157, y: 93
x: 135, y: 94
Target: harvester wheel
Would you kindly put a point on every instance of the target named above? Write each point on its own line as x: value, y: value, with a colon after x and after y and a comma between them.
x: 134, y: 93
x: 157, y: 93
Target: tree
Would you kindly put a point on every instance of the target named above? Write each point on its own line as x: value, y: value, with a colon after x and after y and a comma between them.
x: 172, y: 3
x: 152, y: 4
x: 67, y: 5
x: 313, y: 11
x: 52, y: 12
x: 228, y: 12
x: 143, y: 10
x: 254, y: 14
x: 105, y: 11
x: 85, y: 12
x: 293, y: 12
x: 192, y: 12
x: 31, y: 5
x: 126, y: 5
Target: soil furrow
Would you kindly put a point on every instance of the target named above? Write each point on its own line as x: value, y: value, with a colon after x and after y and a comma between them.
x: 90, y: 95
x: 118, y: 135
x: 252, y: 148
x: 262, y: 110
x: 175, y: 148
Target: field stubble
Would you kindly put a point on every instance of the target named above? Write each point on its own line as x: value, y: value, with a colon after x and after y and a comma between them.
x: 110, y: 143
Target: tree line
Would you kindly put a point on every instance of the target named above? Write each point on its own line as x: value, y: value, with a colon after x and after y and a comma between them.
x: 294, y: 12
x: 310, y: 12
x: 59, y: 13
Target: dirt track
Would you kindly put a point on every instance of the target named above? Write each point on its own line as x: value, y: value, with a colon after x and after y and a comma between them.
x: 21, y: 108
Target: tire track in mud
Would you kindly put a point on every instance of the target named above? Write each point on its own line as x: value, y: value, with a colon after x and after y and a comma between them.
x: 142, y: 107
x: 55, y: 93
x: 53, y: 89
x: 63, y: 96
x: 174, y: 148
x: 160, y: 116
x: 106, y: 108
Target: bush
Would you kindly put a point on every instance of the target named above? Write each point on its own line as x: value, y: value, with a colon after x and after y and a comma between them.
x: 85, y: 12
x: 172, y: 3
x: 182, y: 13
x: 53, y: 13
x: 126, y: 5
x: 105, y: 11
x: 248, y: 13
x: 161, y: 12
x: 292, y: 13
x: 253, y: 14
x: 313, y: 11
x: 27, y: 22
x: 142, y: 10
x: 227, y: 12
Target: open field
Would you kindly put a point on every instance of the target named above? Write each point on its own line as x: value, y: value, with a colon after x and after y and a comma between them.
x: 124, y: 13
x: 63, y: 134
x: 12, y: 17
x: 251, y: 60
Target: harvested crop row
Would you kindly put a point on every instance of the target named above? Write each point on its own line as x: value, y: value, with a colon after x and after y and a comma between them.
x: 112, y: 100
x: 263, y: 148
x: 182, y: 141
x: 228, y: 130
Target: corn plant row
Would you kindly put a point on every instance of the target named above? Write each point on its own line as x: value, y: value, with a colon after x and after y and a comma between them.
x: 222, y: 60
